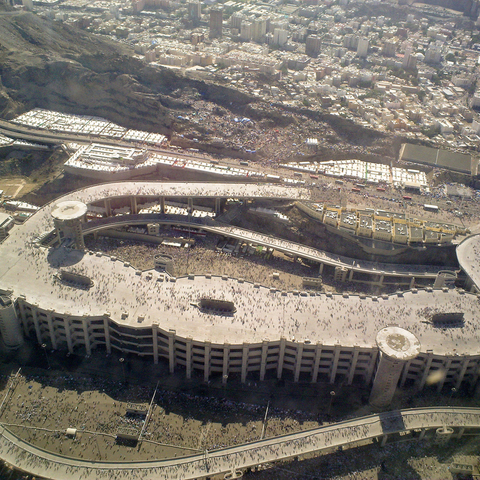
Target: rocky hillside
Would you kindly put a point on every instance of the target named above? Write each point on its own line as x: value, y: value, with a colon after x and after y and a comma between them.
x: 51, y: 65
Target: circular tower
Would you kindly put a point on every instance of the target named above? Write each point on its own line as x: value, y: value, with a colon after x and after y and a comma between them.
x: 396, y: 346
x: 9, y: 323
x: 68, y: 218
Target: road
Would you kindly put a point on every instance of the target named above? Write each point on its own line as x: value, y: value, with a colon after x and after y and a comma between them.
x: 39, y: 462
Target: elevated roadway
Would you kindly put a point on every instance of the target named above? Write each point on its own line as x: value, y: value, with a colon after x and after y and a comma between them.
x: 292, y: 249
x: 36, y: 461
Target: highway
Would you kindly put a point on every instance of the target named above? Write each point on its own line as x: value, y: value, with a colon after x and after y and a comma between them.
x: 31, y: 459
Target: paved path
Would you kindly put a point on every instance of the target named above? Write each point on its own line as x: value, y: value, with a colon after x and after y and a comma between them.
x: 38, y: 462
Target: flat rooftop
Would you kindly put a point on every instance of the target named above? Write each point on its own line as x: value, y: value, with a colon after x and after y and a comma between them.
x: 261, y: 313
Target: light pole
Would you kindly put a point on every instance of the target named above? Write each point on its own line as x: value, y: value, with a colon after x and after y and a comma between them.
x: 332, y: 395
x: 122, y: 361
x: 452, y: 391
x: 44, y: 348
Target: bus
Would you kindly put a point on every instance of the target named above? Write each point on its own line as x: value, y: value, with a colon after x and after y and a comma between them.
x: 430, y: 208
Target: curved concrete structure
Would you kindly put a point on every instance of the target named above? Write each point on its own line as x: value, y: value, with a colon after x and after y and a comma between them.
x: 306, y: 335
x: 416, y: 422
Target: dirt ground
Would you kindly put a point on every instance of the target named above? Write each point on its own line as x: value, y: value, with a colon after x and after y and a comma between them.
x: 191, y: 416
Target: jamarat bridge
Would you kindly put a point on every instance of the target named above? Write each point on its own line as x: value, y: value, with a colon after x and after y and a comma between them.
x: 435, y: 424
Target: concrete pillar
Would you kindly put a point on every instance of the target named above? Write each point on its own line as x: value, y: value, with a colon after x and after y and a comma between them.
x: 350, y: 275
x: 217, y: 206
x: 426, y: 371
x: 281, y: 356
x: 412, y: 282
x: 206, y: 361
x: 405, y: 373
x: 162, y: 204
x: 108, y: 207
x: 190, y: 204
x: 133, y: 205
x: 443, y: 435
x: 226, y: 359
x: 353, y: 366
x: 384, y: 440
x: 460, y: 433
x: 298, y: 362
x: 333, y: 371
x: 68, y: 334
x: 106, y: 330
x: 422, y: 434
x: 86, y: 336
x: 371, y: 367
x: 463, y: 370
x: 53, y: 340
x: 188, y: 358
x: 263, y: 366
x: 382, y: 278
x: 23, y: 318
x: 155, y: 342
x: 36, y: 324
x: 316, y: 362
x: 244, y: 362
x: 320, y: 270
x: 442, y: 381
x: 171, y: 350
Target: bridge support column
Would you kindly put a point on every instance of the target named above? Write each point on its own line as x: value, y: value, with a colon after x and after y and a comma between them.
x: 155, y: 342
x: 281, y: 356
x: 350, y: 275
x: 422, y: 434
x: 244, y: 362
x: 106, y: 331
x: 405, y: 373
x: 206, y: 362
x: 226, y: 361
x: 441, y: 383
x: 371, y: 367
x: 171, y: 350
x: 298, y: 362
x: 190, y: 204
x: 86, y: 336
x: 353, y: 366
x: 108, y: 207
x: 320, y: 269
x: 463, y: 370
x: 412, y: 282
x: 426, y: 371
x: 333, y: 372
x: 188, y: 358
x: 133, y: 205
x: 53, y: 340
x: 162, y: 204
x: 68, y: 334
x: 316, y: 362
x: 382, y: 278
x: 263, y: 366
x: 384, y: 440
x: 35, y: 323
x: 218, y: 206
